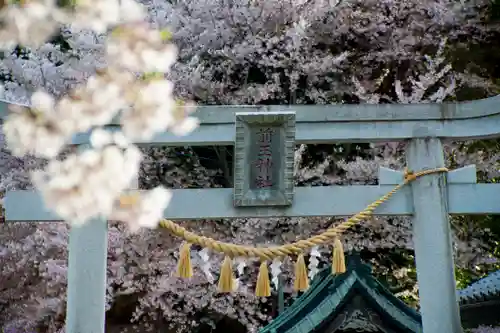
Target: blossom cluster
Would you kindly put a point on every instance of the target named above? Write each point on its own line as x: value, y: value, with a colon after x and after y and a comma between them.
x: 132, y: 84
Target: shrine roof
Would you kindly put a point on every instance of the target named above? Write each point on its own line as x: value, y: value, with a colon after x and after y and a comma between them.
x: 483, y: 290
x: 328, y: 293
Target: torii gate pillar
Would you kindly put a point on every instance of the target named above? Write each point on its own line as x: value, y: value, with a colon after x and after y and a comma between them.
x: 432, y: 240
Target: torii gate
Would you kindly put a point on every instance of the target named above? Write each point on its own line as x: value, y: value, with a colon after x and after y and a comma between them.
x: 428, y: 200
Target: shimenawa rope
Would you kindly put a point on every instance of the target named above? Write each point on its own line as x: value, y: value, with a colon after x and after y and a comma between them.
x: 226, y: 280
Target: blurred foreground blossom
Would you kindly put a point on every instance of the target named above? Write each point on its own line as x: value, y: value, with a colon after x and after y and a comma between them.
x: 133, y: 84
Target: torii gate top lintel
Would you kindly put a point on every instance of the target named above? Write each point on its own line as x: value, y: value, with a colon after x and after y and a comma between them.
x: 478, y: 119
x: 481, y: 108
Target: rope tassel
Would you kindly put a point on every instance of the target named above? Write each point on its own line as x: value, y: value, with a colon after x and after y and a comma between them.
x: 226, y: 278
x: 338, y: 258
x: 263, y: 287
x: 184, y: 267
x: 301, y: 282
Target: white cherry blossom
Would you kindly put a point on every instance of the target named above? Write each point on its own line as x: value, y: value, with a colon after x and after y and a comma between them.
x: 138, y: 48
x: 98, y: 15
x: 29, y: 24
x: 132, y: 85
x: 38, y: 131
x: 146, y: 211
x: 151, y: 111
x: 85, y: 185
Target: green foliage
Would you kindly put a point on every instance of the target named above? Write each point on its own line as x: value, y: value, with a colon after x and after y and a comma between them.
x: 494, y: 11
x: 464, y: 277
x: 386, y: 262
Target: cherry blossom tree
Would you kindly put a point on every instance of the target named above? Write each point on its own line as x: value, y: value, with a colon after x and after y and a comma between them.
x: 486, y: 329
x: 246, y: 52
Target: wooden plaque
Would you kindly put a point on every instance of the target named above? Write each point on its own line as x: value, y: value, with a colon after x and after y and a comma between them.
x: 264, y: 157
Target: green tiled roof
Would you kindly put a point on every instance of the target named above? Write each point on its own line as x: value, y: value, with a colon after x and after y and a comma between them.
x: 328, y: 293
x: 485, y: 289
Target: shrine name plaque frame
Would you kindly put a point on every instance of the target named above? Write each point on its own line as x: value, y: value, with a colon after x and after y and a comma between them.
x: 263, y: 158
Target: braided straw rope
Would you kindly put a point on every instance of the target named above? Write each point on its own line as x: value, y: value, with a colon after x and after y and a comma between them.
x: 269, y: 253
